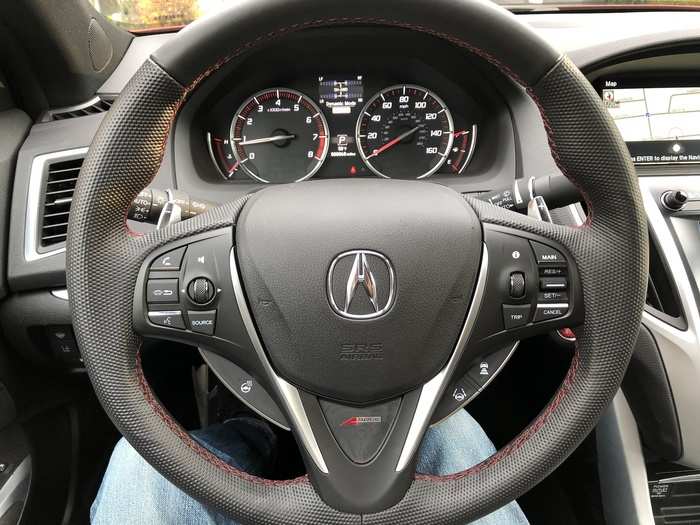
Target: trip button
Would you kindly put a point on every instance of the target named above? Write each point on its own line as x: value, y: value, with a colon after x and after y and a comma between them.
x: 202, y: 322
x: 515, y: 315
x: 169, y: 319
x: 162, y: 291
x: 545, y: 312
x: 546, y: 254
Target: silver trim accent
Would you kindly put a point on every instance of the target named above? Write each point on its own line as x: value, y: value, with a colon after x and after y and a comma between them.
x: 681, y: 479
x: 433, y: 389
x: 12, y: 490
x: 361, y: 274
x: 516, y: 193
x: 552, y: 305
x: 623, y: 474
x: 287, y: 393
x: 34, y: 205
x: 60, y: 294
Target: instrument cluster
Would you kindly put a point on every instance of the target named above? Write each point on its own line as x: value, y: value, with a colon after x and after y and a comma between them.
x: 342, y: 126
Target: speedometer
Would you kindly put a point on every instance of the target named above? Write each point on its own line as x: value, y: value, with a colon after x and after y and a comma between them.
x: 279, y: 135
x: 404, y: 132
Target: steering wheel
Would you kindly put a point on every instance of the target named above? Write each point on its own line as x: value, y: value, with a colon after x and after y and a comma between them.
x: 356, y: 297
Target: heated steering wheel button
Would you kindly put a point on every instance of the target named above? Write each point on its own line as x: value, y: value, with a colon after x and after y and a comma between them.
x: 202, y: 322
x: 545, y: 312
x: 515, y: 315
x: 169, y: 319
x: 170, y: 260
x: 546, y: 254
x: 162, y: 291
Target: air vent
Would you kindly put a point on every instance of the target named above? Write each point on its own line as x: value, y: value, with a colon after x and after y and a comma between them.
x: 661, y: 294
x: 58, y: 195
x: 96, y: 105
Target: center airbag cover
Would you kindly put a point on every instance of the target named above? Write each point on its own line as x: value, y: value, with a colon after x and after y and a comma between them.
x: 287, y: 239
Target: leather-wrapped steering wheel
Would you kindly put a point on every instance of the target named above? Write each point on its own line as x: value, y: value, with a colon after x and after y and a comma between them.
x: 280, y: 258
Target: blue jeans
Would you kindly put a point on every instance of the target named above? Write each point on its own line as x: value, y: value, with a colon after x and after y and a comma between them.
x: 132, y: 492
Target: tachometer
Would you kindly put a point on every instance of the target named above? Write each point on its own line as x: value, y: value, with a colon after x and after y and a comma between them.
x: 405, y: 132
x: 279, y: 135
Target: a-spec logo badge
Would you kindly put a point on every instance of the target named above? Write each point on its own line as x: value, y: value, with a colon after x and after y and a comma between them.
x: 361, y: 420
x: 367, y: 291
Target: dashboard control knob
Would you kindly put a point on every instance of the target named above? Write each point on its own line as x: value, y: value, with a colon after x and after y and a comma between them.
x: 201, y: 290
x: 674, y: 200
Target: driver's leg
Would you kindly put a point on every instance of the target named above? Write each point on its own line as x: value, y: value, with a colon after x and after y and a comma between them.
x: 132, y: 492
x: 456, y: 444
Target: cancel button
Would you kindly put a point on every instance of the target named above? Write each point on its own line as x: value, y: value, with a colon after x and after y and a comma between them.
x: 545, y: 312
x: 202, y: 322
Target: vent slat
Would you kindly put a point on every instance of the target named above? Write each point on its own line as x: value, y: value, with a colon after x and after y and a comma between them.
x: 58, y: 195
x: 100, y: 106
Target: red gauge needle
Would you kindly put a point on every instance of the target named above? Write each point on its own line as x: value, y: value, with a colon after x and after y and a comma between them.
x: 460, y: 133
x: 394, y: 142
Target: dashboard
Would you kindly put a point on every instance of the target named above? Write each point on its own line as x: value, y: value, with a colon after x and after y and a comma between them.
x: 369, y: 109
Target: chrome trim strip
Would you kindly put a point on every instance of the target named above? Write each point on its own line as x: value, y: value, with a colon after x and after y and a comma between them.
x: 61, y: 294
x: 69, y: 109
x: 287, y: 393
x: 34, y: 204
x: 433, y: 389
x: 681, y: 479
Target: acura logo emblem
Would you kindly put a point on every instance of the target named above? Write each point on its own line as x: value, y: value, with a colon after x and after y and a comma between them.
x: 361, y: 284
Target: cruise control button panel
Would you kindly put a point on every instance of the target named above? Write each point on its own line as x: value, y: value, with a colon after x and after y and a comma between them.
x: 529, y: 282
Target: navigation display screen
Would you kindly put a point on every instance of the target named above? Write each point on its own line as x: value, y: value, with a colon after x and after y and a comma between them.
x: 661, y: 125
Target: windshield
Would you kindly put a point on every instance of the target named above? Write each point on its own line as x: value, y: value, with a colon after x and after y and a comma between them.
x: 154, y: 15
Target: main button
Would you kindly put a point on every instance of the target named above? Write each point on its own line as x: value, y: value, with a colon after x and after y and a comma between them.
x: 169, y: 319
x: 546, y: 254
x: 162, y: 291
